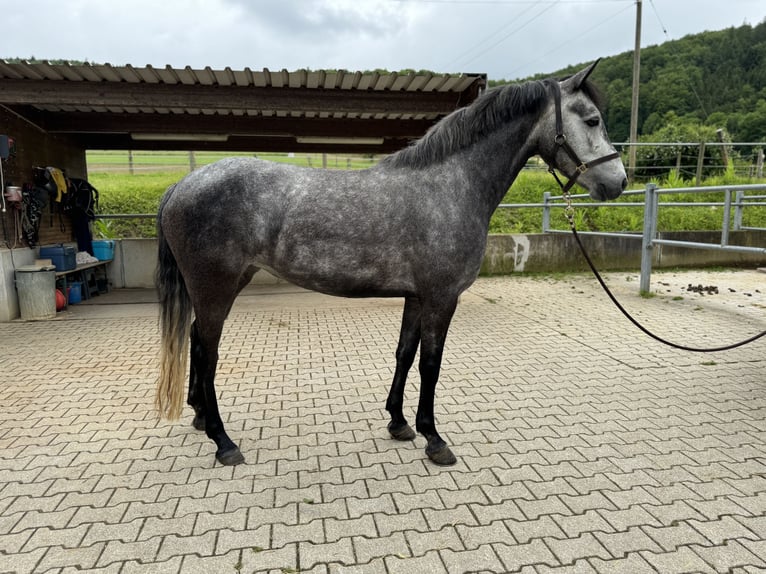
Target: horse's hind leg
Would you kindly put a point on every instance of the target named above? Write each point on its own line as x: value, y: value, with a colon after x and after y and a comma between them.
x: 196, y: 396
x: 409, y: 338
x: 206, y: 335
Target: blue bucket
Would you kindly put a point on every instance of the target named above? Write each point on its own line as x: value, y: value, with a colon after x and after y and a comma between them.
x: 103, y: 249
x: 75, y: 292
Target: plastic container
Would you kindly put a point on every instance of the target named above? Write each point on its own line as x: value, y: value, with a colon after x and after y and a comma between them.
x: 37, y: 293
x: 63, y: 257
x: 103, y: 249
x: 75, y: 292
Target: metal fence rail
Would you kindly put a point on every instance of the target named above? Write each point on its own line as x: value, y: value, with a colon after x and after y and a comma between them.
x: 735, y: 199
x: 651, y: 207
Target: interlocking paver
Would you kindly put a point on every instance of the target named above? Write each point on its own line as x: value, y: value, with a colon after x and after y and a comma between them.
x: 283, y: 534
x: 45, y: 537
x: 200, y: 545
x: 582, y: 446
x: 172, y: 566
x: 117, y: 552
x: 620, y: 544
x: 362, y: 526
x: 84, y: 557
x: 631, y: 564
x: 589, y: 521
x: 21, y: 562
x: 533, y: 509
x: 196, y: 564
x: 430, y: 563
x: 366, y: 549
x: 569, y: 550
x: 207, y: 521
x: 481, y: 559
x: 324, y: 553
x: 729, y: 555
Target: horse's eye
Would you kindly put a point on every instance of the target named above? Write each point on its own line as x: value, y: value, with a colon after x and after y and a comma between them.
x: 593, y: 122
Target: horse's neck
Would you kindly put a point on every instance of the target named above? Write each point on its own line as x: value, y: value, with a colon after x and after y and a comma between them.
x: 495, y: 161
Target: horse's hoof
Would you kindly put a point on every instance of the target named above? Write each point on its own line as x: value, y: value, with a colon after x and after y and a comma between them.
x: 199, y: 422
x: 442, y: 456
x: 230, y: 457
x: 401, y: 433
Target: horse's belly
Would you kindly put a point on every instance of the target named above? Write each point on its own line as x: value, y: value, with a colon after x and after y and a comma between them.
x: 344, y: 271
x: 344, y: 284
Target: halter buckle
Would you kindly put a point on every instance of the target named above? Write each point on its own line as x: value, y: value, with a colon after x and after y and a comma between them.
x: 582, y: 168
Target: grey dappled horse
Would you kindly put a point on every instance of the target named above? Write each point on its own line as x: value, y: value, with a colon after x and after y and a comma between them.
x: 414, y: 226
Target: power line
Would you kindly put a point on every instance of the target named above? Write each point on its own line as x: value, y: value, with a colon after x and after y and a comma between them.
x: 512, y: 32
x: 570, y: 41
x: 669, y: 39
x: 490, y: 37
x: 657, y: 15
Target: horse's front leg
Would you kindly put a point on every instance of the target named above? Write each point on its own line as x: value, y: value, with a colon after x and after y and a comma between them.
x: 434, y: 325
x: 409, y: 338
x: 208, y: 336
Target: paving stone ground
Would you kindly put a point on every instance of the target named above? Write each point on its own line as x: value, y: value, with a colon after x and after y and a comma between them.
x: 583, y: 445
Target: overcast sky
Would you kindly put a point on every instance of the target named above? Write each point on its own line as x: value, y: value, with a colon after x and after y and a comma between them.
x: 504, y: 38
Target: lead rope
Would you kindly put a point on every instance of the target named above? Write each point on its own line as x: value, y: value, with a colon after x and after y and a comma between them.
x: 569, y: 214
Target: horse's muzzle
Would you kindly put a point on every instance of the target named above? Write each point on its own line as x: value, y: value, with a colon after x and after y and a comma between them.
x: 604, y: 192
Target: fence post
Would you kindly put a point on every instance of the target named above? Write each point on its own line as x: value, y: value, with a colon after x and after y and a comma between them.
x: 650, y: 228
x: 546, y: 211
x: 738, y: 210
x: 726, y: 217
x: 700, y: 162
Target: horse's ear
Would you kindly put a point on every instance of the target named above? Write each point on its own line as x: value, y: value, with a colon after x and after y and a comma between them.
x: 579, y: 78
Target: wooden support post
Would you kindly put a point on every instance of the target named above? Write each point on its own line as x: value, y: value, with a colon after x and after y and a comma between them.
x: 634, y: 96
x: 700, y: 162
x: 724, y: 151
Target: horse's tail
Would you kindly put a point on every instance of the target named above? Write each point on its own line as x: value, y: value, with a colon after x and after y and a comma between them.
x: 175, y: 326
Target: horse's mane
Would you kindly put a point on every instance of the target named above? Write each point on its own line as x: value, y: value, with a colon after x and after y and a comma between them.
x: 465, y: 126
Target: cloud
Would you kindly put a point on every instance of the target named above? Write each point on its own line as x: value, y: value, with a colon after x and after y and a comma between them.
x: 325, y: 21
x: 506, y: 39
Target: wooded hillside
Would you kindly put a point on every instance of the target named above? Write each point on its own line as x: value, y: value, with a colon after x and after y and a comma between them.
x: 713, y: 79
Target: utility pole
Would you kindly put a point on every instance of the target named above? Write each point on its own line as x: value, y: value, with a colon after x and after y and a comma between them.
x: 634, y: 100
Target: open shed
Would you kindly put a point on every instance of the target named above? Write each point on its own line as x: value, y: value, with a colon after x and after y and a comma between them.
x: 54, y: 113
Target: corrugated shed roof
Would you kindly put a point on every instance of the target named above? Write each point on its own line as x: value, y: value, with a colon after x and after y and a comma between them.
x: 103, y: 98
x: 324, y: 79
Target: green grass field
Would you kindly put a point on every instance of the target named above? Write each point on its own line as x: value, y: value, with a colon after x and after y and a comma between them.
x: 120, y: 161
x: 123, y: 193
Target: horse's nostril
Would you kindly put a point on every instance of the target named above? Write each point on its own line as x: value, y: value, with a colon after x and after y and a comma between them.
x: 624, y: 183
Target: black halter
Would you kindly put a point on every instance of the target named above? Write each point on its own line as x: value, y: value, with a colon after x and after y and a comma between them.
x: 561, y: 142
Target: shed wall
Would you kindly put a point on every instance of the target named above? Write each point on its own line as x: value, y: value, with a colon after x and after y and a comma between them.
x: 36, y: 148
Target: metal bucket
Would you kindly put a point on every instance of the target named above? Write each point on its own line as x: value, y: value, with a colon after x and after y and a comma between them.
x: 37, y: 293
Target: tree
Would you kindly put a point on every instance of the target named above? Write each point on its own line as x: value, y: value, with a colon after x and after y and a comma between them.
x: 683, y: 137
x: 714, y: 78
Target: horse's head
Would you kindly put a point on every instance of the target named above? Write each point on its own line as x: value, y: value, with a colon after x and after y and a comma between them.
x: 573, y: 139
